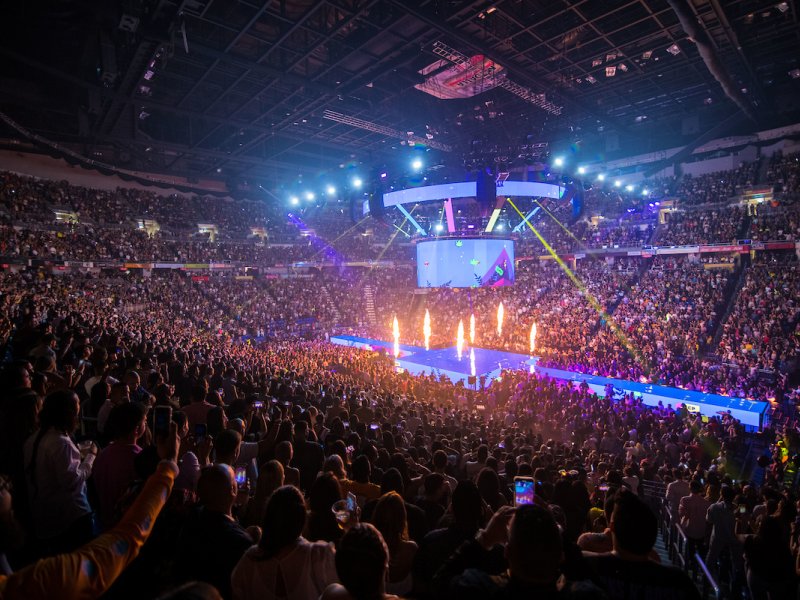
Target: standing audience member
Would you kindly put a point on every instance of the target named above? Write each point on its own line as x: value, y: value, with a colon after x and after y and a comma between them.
x: 628, y: 571
x: 362, y: 561
x: 212, y: 542
x: 284, y: 565
x: 692, y: 512
x: 389, y: 518
x: 56, y: 476
x: 114, y: 469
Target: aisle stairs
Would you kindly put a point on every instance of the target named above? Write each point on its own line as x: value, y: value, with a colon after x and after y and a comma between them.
x: 369, y: 304
x: 731, y: 293
x: 328, y: 301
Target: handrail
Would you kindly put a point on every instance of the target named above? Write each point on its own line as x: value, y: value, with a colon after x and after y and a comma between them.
x: 708, y: 580
x: 681, y: 545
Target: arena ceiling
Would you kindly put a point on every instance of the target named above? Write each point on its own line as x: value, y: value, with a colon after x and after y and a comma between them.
x: 240, y: 88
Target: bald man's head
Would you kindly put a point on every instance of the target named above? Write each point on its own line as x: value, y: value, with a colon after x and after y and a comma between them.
x: 217, y: 488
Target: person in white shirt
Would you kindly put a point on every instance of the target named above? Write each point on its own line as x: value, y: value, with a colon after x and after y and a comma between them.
x: 56, y: 477
x: 676, y: 490
x: 284, y: 564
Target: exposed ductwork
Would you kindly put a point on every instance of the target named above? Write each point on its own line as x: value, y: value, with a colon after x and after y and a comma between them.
x: 712, y: 61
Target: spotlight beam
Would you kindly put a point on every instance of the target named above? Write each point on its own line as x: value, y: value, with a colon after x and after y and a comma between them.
x: 615, y: 329
x: 413, y: 221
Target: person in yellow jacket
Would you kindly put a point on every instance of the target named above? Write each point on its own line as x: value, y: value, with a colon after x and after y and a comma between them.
x: 91, y: 569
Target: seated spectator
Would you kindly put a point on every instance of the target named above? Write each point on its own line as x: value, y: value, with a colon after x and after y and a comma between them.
x: 284, y: 565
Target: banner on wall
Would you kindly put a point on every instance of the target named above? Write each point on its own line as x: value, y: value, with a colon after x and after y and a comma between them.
x: 732, y: 248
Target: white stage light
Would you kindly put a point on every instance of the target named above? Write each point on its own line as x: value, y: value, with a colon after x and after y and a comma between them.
x: 331, y: 190
x: 357, y: 183
x: 294, y: 200
x: 601, y: 177
x: 558, y: 162
x: 581, y: 170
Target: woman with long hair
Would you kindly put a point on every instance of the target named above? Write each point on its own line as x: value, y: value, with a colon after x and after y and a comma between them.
x: 322, y: 524
x: 56, y: 474
x: 284, y: 565
x: 390, y: 519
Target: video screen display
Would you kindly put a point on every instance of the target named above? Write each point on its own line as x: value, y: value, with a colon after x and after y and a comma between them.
x: 465, y: 263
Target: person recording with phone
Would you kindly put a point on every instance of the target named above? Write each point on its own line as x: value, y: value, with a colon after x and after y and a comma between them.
x: 517, y: 555
x: 212, y: 541
x: 56, y: 474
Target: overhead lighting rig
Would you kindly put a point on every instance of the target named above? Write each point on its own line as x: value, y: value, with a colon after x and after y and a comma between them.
x: 384, y: 130
x: 452, y: 55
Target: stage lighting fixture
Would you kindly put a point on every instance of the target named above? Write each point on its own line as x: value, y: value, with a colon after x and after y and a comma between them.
x: 628, y: 188
x: 416, y: 164
x: 645, y: 192
x: 357, y: 183
x: 331, y: 190
x: 384, y: 175
x: 310, y: 196
x: 439, y: 227
x: 601, y: 177
x: 499, y: 227
x: 294, y: 200
x: 558, y: 162
x: 581, y: 170
x: 617, y: 183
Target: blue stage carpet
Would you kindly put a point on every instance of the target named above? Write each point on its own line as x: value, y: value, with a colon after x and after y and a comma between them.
x: 490, y: 363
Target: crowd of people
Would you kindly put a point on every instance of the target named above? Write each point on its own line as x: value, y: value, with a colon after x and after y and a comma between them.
x: 192, y: 434
x: 300, y: 469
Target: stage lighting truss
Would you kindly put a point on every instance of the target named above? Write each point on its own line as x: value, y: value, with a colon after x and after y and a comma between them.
x: 384, y: 130
x: 457, y: 58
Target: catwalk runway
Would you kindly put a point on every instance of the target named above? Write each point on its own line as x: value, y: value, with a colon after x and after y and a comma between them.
x: 489, y: 364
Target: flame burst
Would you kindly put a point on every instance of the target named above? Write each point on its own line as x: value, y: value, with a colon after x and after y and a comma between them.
x: 396, y: 332
x: 426, y: 329
x: 533, y: 337
x: 472, y: 361
x: 500, y: 312
x: 460, y: 339
x: 472, y: 330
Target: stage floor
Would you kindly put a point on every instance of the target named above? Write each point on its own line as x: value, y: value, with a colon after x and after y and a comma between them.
x: 490, y: 363
x: 444, y: 361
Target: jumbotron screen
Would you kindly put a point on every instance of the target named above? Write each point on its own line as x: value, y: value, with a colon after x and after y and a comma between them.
x: 465, y: 263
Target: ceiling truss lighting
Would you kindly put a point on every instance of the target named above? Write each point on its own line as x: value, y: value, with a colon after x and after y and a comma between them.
x: 457, y: 58
x: 383, y: 130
